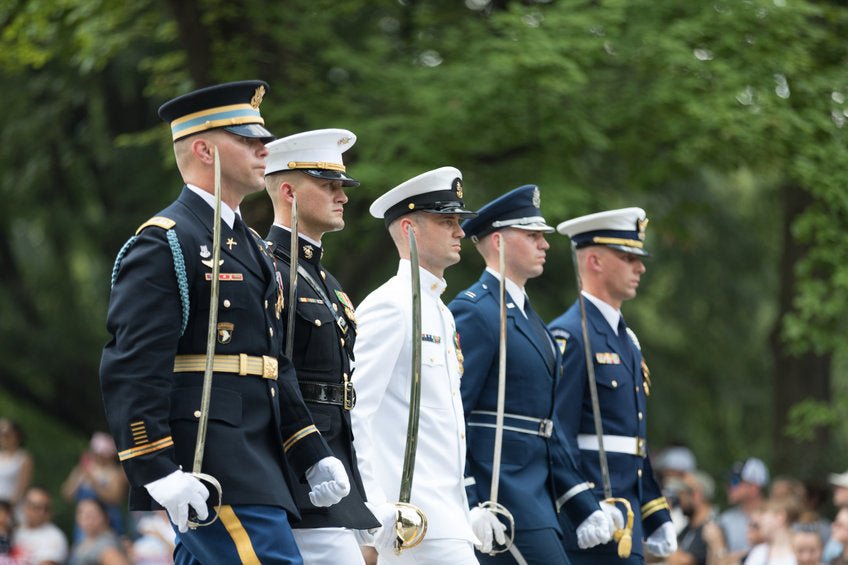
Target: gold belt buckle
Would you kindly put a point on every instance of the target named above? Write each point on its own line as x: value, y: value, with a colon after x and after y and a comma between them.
x: 640, y: 447
x: 269, y: 367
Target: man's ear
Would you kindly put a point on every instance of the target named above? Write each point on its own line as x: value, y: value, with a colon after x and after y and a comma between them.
x: 204, y: 150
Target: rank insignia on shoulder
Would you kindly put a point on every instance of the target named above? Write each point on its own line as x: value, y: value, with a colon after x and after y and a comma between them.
x: 607, y: 358
x: 561, y: 342
x: 470, y: 294
x: 431, y: 338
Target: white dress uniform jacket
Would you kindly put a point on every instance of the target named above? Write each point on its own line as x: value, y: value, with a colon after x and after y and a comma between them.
x: 383, y: 353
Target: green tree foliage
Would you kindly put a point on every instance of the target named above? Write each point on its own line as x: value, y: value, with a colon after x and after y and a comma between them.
x: 725, y: 120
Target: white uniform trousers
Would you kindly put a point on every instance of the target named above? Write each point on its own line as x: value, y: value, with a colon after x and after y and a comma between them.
x: 328, y: 546
x: 433, y: 552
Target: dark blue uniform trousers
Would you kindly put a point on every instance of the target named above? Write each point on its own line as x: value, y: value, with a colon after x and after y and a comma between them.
x: 538, y: 547
x: 241, y: 534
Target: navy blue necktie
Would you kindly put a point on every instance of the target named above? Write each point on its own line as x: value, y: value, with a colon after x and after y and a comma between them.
x: 540, y: 330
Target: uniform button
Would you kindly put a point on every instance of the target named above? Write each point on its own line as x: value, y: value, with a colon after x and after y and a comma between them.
x: 341, y: 340
x: 639, y: 472
x: 266, y: 304
x: 323, y: 275
x: 318, y: 323
x: 640, y: 415
x: 227, y: 303
x: 273, y: 392
x: 637, y: 389
x: 614, y: 384
x: 335, y: 307
x: 462, y: 435
x: 271, y: 331
x: 197, y: 413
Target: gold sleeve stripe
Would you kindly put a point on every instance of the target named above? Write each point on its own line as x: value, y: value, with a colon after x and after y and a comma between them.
x: 239, y: 535
x: 145, y: 449
x: 654, y: 506
x: 297, y: 436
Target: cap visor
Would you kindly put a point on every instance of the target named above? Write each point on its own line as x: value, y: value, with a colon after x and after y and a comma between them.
x: 331, y: 175
x: 535, y: 226
x: 252, y: 130
x: 631, y: 250
x: 458, y: 211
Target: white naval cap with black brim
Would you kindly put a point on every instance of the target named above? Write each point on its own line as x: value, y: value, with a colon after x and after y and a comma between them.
x: 438, y: 191
x: 317, y: 153
x: 232, y: 106
x: 622, y: 229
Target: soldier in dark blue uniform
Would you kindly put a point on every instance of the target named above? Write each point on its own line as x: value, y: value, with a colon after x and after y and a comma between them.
x: 526, y: 485
x: 309, y: 166
x: 610, y: 247
x: 152, y: 368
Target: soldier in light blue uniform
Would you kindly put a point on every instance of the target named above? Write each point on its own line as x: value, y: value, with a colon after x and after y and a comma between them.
x: 526, y: 486
x: 610, y: 247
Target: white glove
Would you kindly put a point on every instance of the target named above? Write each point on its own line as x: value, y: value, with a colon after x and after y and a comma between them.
x: 487, y: 528
x: 614, y: 515
x: 382, y: 538
x: 176, y: 492
x: 663, y: 542
x: 328, y: 480
x: 594, y: 530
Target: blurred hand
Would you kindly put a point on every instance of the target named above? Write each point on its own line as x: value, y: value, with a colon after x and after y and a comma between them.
x: 329, y: 482
x: 176, y: 492
x: 487, y: 528
x: 663, y: 542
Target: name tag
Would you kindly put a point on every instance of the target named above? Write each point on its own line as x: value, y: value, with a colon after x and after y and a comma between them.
x: 608, y: 358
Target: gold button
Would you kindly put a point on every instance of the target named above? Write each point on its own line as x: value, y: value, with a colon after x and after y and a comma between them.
x: 273, y: 392
x: 335, y: 307
x: 227, y: 303
x: 197, y: 413
x: 462, y: 435
x: 640, y: 415
x: 271, y: 332
x: 318, y: 323
x: 341, y: 339
x: 614, y: 384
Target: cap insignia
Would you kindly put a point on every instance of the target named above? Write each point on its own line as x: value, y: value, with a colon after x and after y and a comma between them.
x: 641, y: 226
x: 257, y: 97
x: 344, y: 141
x: 537, y: 198
x: 457, y: 186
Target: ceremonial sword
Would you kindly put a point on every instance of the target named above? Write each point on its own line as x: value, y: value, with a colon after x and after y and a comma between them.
x: 624, y: 535
x: 206, y: 393
x: 294, y: 248
x: 492, y: 505
x: 410, y: 521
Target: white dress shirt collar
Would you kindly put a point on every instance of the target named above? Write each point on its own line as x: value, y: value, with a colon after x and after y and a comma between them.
x: 227, y: 213
x: 515, y: 291
x: 430, y: 283
x: 611, y: 315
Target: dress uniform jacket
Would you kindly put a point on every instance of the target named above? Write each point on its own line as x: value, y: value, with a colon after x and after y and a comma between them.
x: 257, y: 426
x: 621, y: 377
x: 526, y: 481
x: 382, y: 378
x: 322, y: 355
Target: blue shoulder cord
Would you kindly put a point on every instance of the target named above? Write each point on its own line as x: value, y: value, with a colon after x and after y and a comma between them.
x: 179, y: 268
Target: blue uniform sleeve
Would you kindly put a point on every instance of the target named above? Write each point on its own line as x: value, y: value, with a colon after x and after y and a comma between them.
x: 479, y: 341
x: 655, y: 509
x: 574, y: 492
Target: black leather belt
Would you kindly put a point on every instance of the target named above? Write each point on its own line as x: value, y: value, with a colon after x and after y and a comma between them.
x: 328, y: 393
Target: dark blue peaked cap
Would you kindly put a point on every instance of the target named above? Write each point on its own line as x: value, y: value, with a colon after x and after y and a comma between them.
x: 233, y: 106
x: 518, y: 208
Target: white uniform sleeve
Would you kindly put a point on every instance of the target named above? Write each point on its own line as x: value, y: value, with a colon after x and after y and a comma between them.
x: 382, y: 331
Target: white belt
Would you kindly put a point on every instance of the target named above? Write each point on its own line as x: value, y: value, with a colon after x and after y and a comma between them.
x: 613, y: 444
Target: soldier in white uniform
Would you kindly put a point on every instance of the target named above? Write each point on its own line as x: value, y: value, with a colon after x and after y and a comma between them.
x: 431, y: 205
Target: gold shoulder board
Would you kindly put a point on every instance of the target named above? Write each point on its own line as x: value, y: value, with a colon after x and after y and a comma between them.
x: 159, y: 222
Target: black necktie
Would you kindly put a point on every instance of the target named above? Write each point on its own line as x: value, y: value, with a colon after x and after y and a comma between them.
x: 624, y: 339
x: 244, y: 234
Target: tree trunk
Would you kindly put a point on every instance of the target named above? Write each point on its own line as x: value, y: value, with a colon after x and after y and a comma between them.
x: 796, y: 377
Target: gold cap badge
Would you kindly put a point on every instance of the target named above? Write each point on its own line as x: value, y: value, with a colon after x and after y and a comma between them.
x: 257, y: 97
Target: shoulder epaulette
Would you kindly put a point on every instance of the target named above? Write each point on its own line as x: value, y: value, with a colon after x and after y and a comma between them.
x: 472, y: 294
x: 157, y: 221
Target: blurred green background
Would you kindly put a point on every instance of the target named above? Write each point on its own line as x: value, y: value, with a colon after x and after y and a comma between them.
x: 725, y: 120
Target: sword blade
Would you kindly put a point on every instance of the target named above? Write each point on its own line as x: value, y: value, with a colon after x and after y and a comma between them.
x: 293, y: 254
x: 415, y: 380
x: 499, y: 416
x: 211, y: 335
x: 590, y: 372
